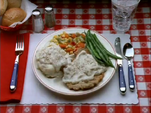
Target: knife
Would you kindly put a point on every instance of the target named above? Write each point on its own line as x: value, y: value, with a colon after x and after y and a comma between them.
x: 122, y: 83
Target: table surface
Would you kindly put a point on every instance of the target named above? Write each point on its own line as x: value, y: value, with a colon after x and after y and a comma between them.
x: 97, y: 16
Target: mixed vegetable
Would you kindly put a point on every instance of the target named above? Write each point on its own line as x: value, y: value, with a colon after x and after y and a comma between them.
x: 70, y: 42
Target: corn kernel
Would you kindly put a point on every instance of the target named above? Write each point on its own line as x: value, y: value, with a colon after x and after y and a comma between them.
x: 56, y: 36
x: 71, y: 52
x: 63, y: 35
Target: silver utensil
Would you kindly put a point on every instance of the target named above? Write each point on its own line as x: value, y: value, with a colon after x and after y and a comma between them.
x: 18, y: 50
x: 128, y: 52
x: 122, y: 83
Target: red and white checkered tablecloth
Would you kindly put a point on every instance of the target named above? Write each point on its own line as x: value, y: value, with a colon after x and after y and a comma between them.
x: 97, y: 16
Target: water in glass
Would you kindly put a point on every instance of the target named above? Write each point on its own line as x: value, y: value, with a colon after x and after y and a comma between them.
x: 122, y: 14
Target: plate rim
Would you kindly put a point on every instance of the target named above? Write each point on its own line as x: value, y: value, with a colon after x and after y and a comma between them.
x: 74, y: 94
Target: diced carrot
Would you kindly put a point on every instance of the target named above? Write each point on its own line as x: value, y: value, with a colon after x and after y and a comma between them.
x: 73, y: 43
x: 82, y: 45
x: 83, y: 35
x: 73, y: 35
x: 69, y: 49
x: 75, y: 49
x: 66, y: 35
x: 63, y: 45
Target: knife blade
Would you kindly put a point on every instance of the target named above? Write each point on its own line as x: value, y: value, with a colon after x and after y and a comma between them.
x: 122, y: 83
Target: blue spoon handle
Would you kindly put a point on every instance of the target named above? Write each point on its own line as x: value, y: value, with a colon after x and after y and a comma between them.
x: 131, y: 78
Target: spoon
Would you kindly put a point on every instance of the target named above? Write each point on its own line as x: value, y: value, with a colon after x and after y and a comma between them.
x: 128, y: 52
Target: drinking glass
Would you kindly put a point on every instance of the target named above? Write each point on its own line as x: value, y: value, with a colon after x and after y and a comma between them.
x: 123, y: 13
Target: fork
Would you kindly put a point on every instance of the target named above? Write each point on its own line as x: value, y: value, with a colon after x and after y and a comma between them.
x: 18, y: 51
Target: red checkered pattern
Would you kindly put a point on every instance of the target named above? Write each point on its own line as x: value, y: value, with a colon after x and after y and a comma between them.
x: 97, y: 16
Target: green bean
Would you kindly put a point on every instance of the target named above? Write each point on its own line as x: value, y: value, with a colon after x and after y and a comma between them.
x: 102, y: 55
x: 99, y: 54
x: 97, y: 47
x: 102, y: 46
x: 101, y: 51
x: 93, y: 54
x: 96, y: 53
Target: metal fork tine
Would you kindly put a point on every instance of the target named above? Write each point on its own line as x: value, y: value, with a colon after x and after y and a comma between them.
x: 17, y: 43
x: 20, y: 43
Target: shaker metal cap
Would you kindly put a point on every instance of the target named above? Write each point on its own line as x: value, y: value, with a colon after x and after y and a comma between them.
x: 36, y: 12
x: 49, y: 8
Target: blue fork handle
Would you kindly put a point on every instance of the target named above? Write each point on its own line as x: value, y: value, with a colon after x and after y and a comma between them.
x: 131, y: 78
x: 13, y: 83
x: 122, y: 83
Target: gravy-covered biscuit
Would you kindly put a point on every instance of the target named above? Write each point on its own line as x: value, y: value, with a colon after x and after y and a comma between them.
x: 83, y: 73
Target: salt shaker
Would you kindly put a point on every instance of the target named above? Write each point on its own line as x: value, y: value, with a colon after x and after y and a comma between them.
x: 37, y: 21
x: 49, y: 16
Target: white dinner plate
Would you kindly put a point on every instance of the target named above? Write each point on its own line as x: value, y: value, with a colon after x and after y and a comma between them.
x: 56, y: 84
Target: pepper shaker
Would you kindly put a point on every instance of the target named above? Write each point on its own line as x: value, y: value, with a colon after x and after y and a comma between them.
x: 49, y: 16
x: 37, y: 21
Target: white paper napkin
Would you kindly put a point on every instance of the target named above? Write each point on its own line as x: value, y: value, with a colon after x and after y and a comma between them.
x: 28, y: 7
x: 35, y: 93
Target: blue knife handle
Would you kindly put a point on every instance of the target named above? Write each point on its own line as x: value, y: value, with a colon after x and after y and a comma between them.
x: 122, y: 83
x: 13, y: 83
x: 131, y: 78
